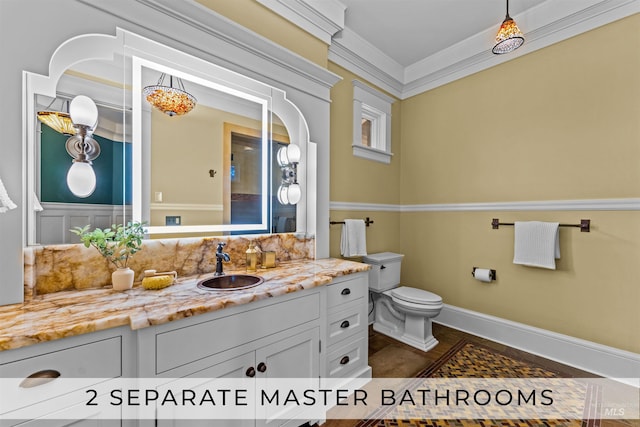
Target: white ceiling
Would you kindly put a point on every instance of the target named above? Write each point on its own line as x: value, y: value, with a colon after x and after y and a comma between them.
x: 409, y: 46
x: 410, y: 30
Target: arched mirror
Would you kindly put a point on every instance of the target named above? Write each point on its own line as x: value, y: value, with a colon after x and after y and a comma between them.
x: 212, y: 170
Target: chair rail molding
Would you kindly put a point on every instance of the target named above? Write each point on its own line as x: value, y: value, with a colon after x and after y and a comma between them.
x: 627, y: 204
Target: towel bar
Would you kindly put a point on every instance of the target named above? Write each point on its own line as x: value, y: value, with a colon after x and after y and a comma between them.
x: 367, y: 221
x: 584, y: 226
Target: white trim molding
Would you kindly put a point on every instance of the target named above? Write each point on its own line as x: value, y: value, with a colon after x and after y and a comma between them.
x: 630, y: 204
x: 186, y: 207
x: 374, y: 106
x: 322, y: 18
x: 599, y: 359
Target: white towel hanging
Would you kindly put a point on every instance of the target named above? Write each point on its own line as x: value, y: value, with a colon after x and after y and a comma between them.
x: 5, y: 202
x: 536, y: 244
x: 353, y: 239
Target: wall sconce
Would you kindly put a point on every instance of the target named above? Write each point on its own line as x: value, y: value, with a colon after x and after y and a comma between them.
x: 81, y: 178
x: 288, y: 157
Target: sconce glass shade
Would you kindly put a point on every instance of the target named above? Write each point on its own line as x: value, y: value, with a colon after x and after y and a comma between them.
x: 173, y: 101
x: 58, y: 121
x: 81, y: 179
x: 289, y: 194
x: 83, y: 111
x: 288, y: 154
x: 509, y: 37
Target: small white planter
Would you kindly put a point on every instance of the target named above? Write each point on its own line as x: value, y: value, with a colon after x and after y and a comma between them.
x: 122, y: 279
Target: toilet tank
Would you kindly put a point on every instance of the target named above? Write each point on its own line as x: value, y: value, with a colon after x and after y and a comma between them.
x: 385, y: 270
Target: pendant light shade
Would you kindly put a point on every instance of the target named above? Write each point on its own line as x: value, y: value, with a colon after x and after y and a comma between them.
x: 509, y: 36
x: 171, y: 100
x: 60, y: 121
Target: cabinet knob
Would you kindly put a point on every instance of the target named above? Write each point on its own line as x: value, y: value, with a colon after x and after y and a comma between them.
x: 344, y: 324
x: 251, y: 372
x: 39, y: 378
x: 346, y: 291
x: 344, y: 360
x: 262, y: 367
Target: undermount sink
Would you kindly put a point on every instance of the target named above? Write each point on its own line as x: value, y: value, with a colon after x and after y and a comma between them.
x: 230, y: 282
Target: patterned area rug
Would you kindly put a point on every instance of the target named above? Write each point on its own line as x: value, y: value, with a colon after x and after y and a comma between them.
x: 471, y: 360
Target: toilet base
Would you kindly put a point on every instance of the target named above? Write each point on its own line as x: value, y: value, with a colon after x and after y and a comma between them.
x: 425, y: 344
x: 413, y: 330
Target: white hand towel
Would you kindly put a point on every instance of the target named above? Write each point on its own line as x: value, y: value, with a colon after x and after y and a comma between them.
x: 5, y: 202
x: 37, y: 207
x: 536, y: 244
x: 353, y: 240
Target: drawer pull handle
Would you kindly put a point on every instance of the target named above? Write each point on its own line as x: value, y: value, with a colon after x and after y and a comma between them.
x: 262, y: 367
x: 251, y: 372
x: 346, y: 291
x: 40, y: 378
x: 344, y: 360
x: 344, y: 324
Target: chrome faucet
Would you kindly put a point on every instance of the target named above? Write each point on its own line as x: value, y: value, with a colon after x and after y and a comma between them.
x: 221, y: 256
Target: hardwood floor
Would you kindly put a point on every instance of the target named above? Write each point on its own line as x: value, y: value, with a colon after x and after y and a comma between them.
x: 389, y: 358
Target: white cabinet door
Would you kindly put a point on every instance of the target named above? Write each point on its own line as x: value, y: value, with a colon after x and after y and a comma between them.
x: 233, y: 368
x: 294, y: 357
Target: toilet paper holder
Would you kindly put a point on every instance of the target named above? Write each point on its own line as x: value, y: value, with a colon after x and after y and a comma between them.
x: 492, y: 273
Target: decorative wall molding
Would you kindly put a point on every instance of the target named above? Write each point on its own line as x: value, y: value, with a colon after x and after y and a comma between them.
x: 603, y: 360
x: 629, y: 204
x: 186, y: 207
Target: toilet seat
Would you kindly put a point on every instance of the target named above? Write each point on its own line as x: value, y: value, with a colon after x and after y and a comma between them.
x: 416, y: 296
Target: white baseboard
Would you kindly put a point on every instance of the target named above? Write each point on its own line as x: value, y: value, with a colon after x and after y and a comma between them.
x: 596, y: 358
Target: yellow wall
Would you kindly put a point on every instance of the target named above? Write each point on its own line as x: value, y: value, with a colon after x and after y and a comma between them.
x: 560, y: 123
x: 358, y: 180
x: 556, y: 124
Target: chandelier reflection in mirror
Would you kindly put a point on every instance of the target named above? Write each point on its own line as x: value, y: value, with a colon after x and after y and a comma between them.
x: 81, y: 178
x: 289, y: 192
x: 171, y: 100
x: 60, y: 121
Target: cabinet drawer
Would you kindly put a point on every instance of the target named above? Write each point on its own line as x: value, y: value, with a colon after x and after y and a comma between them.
x: 348, y: 357
x: 93, y: 361
x: 347, y: 291
x: 349, y: 320
x: 187, y: 344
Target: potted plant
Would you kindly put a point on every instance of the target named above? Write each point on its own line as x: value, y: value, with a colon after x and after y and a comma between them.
x: 117, y: 244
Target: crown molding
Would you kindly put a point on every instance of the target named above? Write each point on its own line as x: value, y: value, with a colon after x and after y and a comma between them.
x: 543, y: 25
x: 548, y: 23
x: 322, y: 18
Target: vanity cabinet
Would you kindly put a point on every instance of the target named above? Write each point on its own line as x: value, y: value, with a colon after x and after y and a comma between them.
x: 347, y: 328
x: 32, y: 387
x: 275, y: 338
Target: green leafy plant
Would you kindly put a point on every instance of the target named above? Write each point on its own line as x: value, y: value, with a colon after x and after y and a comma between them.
x: 117, y: 244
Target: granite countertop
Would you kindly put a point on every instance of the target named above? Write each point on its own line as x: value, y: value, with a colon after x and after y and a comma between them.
x: 62, y: 314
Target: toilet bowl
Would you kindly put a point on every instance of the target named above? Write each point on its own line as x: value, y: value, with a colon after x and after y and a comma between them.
x: 401, y: 312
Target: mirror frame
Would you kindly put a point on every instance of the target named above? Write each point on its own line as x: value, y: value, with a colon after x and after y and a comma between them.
x: 142, y: 143
x: 105, y: 47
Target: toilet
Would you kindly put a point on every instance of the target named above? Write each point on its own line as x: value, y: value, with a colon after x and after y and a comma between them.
x: 401, y: 312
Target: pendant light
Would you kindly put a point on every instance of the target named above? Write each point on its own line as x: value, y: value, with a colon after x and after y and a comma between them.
x: 60, y: 121
x: 173, y: 100
x: 509, y: 36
